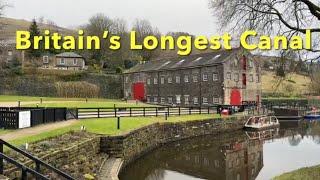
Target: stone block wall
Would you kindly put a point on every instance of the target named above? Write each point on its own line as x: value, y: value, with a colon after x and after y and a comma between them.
x: 63, y: 159
x: 136, y: 143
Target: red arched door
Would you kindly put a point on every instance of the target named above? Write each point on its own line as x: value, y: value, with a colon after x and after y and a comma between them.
x: 235, y: 98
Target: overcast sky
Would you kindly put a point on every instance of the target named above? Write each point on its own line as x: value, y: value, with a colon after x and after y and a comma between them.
x: 191, y: 16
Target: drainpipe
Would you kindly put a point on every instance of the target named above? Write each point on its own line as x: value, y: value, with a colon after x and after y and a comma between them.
x: 200, y: 86
x: 158, y: 85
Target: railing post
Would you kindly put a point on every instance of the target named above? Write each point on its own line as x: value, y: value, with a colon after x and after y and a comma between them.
x: 24, y: 173
x: 1, y: 159
x: 130, y: 112
x: 144, y: 112
x: 98, y: 112
x: 200, y: 112
x: 168, y: 111
x: 189, y: 110
x: 54, y: 115
x: 118, y: 122
x: 156, y: 112
x: 179, y: 110
x: 208, y: 109
x: 38, y: 168
x: 77, y: 113
x: 115, y: 112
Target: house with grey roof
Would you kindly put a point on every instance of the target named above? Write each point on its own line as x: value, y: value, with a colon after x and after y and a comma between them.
x: 64, y: 61
x: 228, y: 77
x: 8, y: 51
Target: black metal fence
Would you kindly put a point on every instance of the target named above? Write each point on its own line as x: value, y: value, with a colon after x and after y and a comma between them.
x: 25, y: 171
x: 9, y: 117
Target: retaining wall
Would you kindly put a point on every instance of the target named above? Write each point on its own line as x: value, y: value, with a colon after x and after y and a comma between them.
x: 131, y: 146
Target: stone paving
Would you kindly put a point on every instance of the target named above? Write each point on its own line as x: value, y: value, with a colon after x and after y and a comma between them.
x: 110, y: 169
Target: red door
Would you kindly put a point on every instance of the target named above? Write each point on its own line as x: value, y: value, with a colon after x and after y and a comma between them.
x: 235, y: 99
x: 138, y: 91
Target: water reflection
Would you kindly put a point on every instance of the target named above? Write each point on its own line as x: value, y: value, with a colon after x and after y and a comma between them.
x: 235, y: 156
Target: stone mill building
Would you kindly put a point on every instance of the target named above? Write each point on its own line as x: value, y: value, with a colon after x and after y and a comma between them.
x: 226, y: 77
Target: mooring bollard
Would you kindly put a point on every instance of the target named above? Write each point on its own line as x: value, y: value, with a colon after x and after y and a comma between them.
x: 166, y: 116
x: 118, y: 123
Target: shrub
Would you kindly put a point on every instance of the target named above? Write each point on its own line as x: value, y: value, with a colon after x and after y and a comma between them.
x: 78, y: 89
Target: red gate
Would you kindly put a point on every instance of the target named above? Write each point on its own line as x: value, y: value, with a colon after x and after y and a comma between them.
x: 235, y: 99
x: 138, y: 91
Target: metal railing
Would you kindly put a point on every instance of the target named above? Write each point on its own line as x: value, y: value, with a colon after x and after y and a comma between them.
x: 25, y: 170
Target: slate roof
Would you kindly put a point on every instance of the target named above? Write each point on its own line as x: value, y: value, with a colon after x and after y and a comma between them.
x: 197, y: 60
x: 69, y: 55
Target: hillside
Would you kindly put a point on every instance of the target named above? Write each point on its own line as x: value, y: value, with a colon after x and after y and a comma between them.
x: 10, y: 26
x: 292, y: 85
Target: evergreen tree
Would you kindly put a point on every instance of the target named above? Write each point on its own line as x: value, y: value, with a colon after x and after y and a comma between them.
x: 34, y: 31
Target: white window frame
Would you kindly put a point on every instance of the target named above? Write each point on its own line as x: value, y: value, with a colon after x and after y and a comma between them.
x: 195, y: 100
x: 148, y: 81
x: 195, y: 78
x: 205, y: 77
x: 45, y: 59
x: 236, y: 77
x: 155, y: 99
x: 169, y: 80
x: 178, y: 99
x: 178, y: 79
x: 216, y: 100
x: 162, y: 80
x: 205, y: 100
x: 162, y: 100
x: 186, y: 99
x: 62, y: 61
x: 155, y: 80
x: 170, y: 100
x: 215, y: 77
x: 186, y: 78
x: 229, y: 76
x: 148, y: 99
x: 126, y: 79
x: 251, y: 78
x: 10, y: 53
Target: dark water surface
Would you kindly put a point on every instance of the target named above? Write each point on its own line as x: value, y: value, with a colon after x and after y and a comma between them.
x: 234, y: 156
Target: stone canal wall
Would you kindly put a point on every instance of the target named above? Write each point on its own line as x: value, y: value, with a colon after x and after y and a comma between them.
x: 74, y: 158
x: 132, y: 145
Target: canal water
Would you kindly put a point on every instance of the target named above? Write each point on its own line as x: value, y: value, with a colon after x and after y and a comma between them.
x: 233, y: 156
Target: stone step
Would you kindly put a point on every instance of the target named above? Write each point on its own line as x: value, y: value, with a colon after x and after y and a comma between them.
x: 110, y: 169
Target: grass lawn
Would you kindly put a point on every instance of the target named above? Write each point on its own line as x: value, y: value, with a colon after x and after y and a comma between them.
x: 9, y: 98
x: 108, y: 126
x: 292, y: 85
x: 70, y: 102
x: 91, y: 104
x: 309, y: 173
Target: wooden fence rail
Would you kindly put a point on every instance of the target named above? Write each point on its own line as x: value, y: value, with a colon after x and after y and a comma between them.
x: 85, y: 113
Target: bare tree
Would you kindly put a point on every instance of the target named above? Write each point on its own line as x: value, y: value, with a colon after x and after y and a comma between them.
x: 288, y: 17
x: 3, y: 6
x: 96, y: 27
x: 143, y: 29
x: 270, y: 17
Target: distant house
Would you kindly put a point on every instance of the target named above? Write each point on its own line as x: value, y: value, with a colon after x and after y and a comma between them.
x: 64, y: 61
x: 8, y: 51
x: 222, y: 77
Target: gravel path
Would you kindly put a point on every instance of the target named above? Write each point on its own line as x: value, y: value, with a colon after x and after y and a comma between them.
x: 17, y: 134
